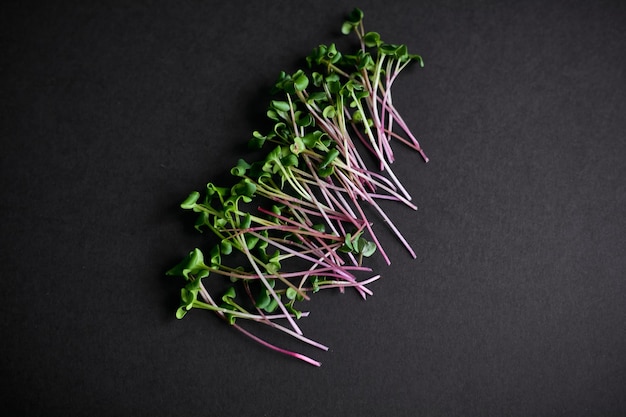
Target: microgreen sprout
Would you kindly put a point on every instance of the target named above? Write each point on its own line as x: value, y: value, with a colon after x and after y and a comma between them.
x: 296, y: 219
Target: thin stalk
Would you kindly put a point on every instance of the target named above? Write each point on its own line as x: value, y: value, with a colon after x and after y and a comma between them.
x: 266, y: 283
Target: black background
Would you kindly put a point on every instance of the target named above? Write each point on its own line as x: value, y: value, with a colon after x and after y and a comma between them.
x: 112, y: 112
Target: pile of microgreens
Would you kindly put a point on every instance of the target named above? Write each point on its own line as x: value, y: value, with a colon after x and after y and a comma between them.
x: 296, y: 218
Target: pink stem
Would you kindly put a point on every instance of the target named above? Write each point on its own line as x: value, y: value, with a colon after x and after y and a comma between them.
x: 276, y: 348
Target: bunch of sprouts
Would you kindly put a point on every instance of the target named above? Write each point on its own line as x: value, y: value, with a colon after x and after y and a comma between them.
x: 296, y: 220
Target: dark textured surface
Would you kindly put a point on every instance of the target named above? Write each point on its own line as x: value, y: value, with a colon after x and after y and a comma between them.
x: 516, y: 305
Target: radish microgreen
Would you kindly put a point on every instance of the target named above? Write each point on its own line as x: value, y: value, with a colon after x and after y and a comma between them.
x: 296, y: 218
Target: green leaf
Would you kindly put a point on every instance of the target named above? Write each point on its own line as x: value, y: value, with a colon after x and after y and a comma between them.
x: 262, y: 245
x: 312, y: 138
x: 402, y: 53
x: 316, y: 56
x: 251, y: 240
x: 306, y: 120
x: 212, y: 190
x: 191, y: 264
x: 365, y: 247
x: 372, y: 39
x: 229, y: 304
x: 190, y: 201
x: 388, y: 49
x: 418, y: 59
x: 280, y: 105
x: 332, y: 77
x: 278, y: 85
x: 324, y: 143
x: 262, y: 299
x: 318, y: 97
x: 332, y: 50
x: 202, y: 274
x: 365, y: 60
x: 334, y: 87
x: 226, y: 247
x: 277, y: 209
x: 347, y: 244
x: 229, y: 295
x: 247, y: 220
x: 356, y: 15
x: 314, y: 283
x: 301, y: 81
x: 272, y: 114
x: 201, y: 221
x: 215, y: 256
x: 282, y: 131
x: 187, y: 297
x: 317, y: 80
x: 289, y: 160
x: 219, y: 222
x: 229, y: 317
x: 329, y: 112
x: 273, y: 267
x: 271, y: 307
x: 326, y: 172
x: 181, y: 312
x: 244, y: 188
x: 330, y: 156
x: 347, y: 27
x: 240, y: 169
x: 297, y: 146
x: 333, y: 82
x: 257, y: 171
x: 291, y: 293
x: 293, y: 311
x: 257, y: 140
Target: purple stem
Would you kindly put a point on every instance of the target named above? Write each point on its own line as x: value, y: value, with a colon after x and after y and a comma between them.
x: 276, y: 348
